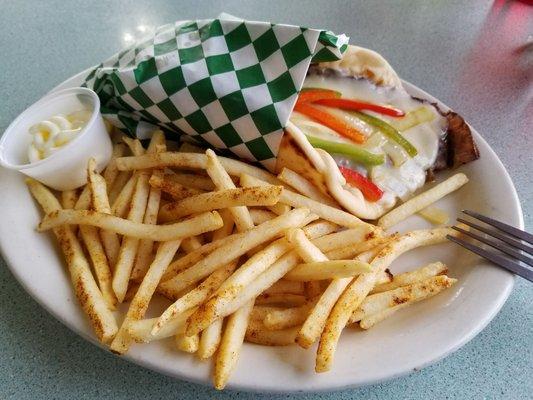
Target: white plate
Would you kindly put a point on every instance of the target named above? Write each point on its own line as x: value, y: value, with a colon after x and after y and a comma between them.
x: 410, y: 340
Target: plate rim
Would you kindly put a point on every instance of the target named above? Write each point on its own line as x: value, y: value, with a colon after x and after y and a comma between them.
x: 503, y: 296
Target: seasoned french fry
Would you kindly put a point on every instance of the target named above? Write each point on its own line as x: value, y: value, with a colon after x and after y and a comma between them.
x: 324, y: 211
x: 354, y: 249
x: 192, y: 161
x: 258, y: 335
x: 410, y: 293
x: 231, y: 251
x: 230, y: 345
x: 210, y: 339
x: 129, y: 246
x: 196, y: 225
x: 85, y: 288
x: 111, y: 172
x: 289, y: 317
x: 317, y: 271
x: 259, y: 215
x: 191, y: 181
x: 135, y: 145
x: 122, y: 202
x: 145, y: 249
x: 139, y: 330
x: 302, y: 185
x: 281, y: 299
x: 196, y: 296
x: 228, y: 198
x: 98, y: 197
x: 433, y: 286
x: 174, y: 189
x: 188, y: 344
x: 286, y: 287
x: 116, y: 188
x: 423, y: 200
x: 359, y: 288
x: 346, y: 238
x: 139, y: 304
x: 222, y: 181
x: 69, y: 198
x: 191, y: 244
x: 223, y: 306
x: 409, y: 277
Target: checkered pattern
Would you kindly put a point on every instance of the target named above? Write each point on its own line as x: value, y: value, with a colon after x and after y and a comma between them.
x: 227, y: 83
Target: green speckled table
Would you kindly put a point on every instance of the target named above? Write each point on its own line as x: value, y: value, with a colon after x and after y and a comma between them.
x: 471, y: 55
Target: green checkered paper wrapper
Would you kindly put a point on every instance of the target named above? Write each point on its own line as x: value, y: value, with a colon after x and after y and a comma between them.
x: 227, y: 83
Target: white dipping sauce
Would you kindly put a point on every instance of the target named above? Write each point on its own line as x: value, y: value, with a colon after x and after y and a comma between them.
x: 51, y: 134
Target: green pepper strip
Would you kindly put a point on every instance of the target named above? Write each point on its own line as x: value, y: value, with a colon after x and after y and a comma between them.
x: 355, y: 153
x: 388, y: 131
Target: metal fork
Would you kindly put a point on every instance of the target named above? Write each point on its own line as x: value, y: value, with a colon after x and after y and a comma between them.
x: 515, y: 244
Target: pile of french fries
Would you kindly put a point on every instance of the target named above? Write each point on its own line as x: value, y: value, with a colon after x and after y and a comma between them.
x: 240, y: 254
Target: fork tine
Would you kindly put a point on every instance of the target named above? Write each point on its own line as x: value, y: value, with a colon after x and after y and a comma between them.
x: 498, y: 246
x: 494, y: 233
x: 500, y: 260
x: 511, y: 230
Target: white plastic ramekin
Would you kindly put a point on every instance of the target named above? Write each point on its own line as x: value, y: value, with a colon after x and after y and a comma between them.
x: 67, y: 168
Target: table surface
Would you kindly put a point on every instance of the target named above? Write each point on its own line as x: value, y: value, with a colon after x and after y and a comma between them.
x: 471, y: 55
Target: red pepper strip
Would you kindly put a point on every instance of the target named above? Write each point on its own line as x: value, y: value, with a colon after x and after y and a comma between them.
x: 348, y: 104
x: 331, y: 121
x: 311, y: 95
x: 370, y: 191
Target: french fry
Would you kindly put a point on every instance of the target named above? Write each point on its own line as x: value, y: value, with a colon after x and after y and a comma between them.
x: 302, y: 185
x: 246, y: 284
x: 145, y: 249
x: 228, y: 198
x: 129, y: 246
x: 410, y: 293
x: 289, y: 317
x: 135, y: 145
x: 174, y: 189
x: 188, y: 344
x: 139, y: 330
x: 191, y: 181
x: 132, y: 290
x: 226, y: 229
x: 359, y: 288
x: 196, y: 296
x: 279, y: 209
x: 222, y: 181
x: 259, y: 335
x: 69, y: 198
x: 260, y: 312
x: 259, y: 215
x: 346, y: 238
x: 139, y: 304
x: 116, y: 188
x: 314, y: 324
x: 423, y: 200
x: 356, y: 248
x: 317, y: 271
x: 281, y: 299
x: 111, y: 172
x: 192, y: 161
x: 122, y: 202
x: 231, y: 251
x: 224, y: 306
x: 230, y: 345
x: 324, y: 211
x: 191, y: 244
x: 409, y: 277
x: 97, y: 191
x: 210, y: 339
x: 85, y: 288
x: 286, y: 287
x: 196, y: 225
